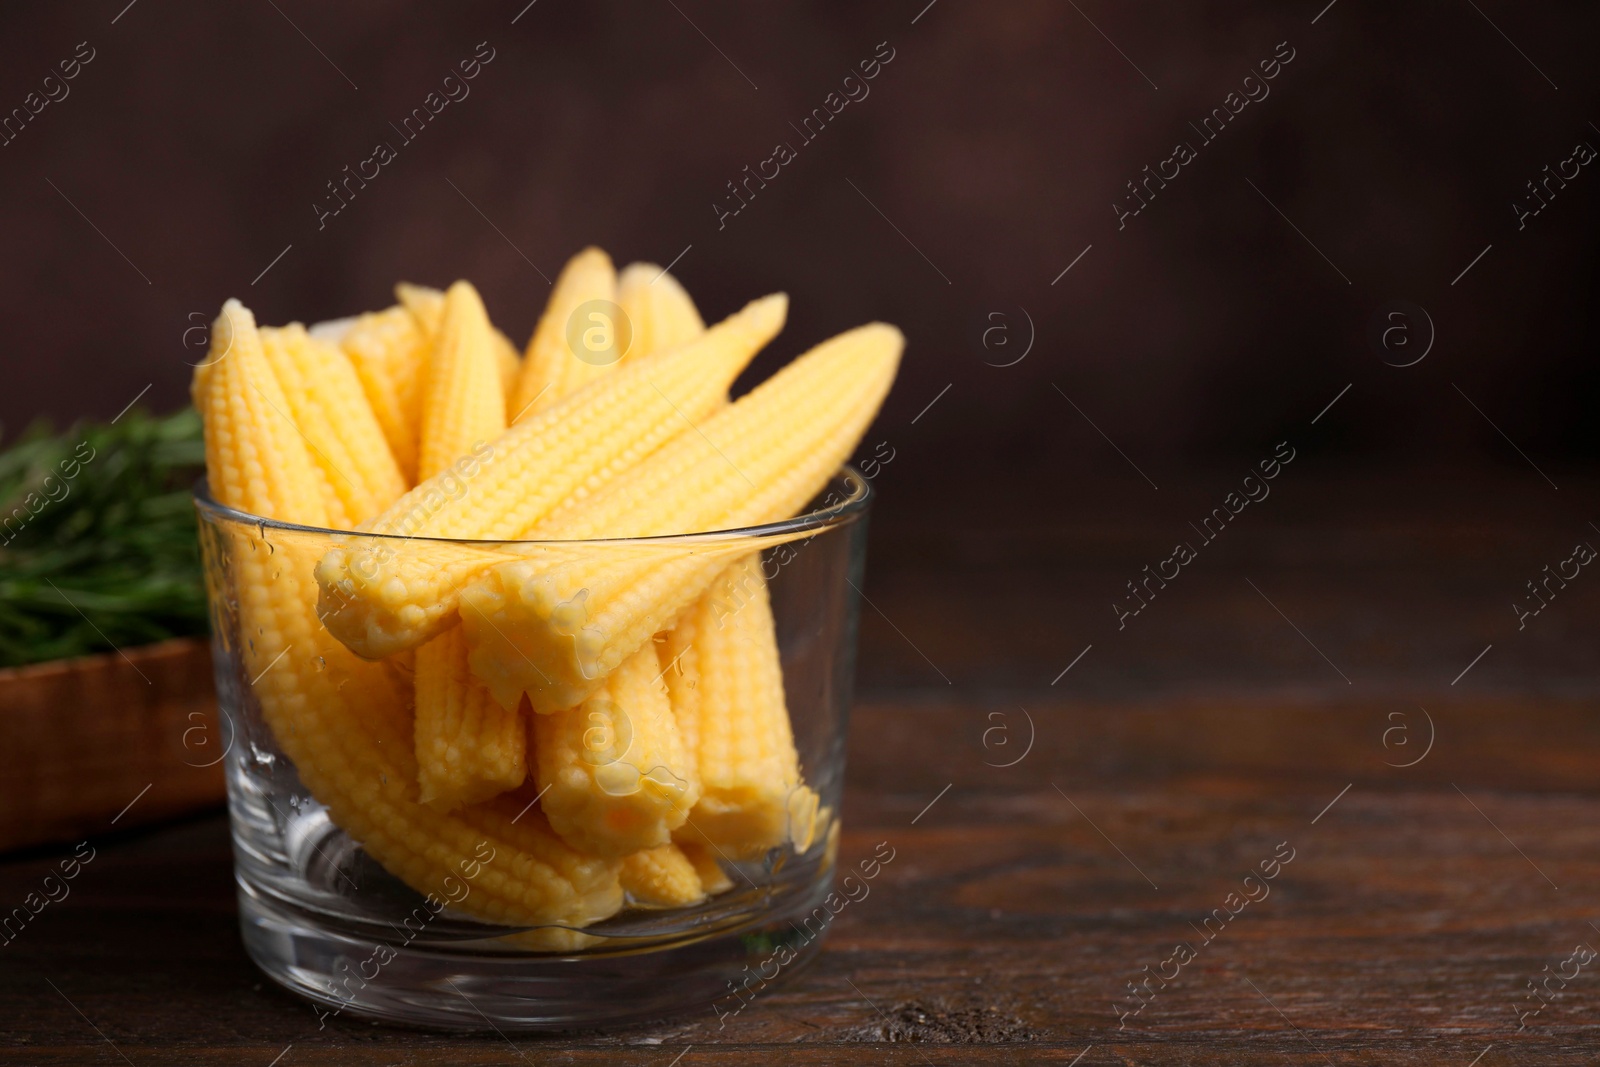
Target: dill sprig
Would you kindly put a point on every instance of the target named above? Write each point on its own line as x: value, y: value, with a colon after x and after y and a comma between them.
x: 97, y: 537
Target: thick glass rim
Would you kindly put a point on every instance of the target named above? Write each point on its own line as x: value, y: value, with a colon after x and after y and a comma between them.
x: 859, y: 496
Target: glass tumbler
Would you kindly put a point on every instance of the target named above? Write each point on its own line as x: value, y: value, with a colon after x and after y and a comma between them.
x: 365, y: 900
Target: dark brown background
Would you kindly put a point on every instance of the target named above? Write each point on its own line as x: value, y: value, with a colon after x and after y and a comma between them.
x: 996, y: 140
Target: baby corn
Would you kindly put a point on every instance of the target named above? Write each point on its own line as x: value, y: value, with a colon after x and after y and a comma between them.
x: 551, y: 370
x: 389, y: 352
x: 536, y: 734
x: 355, y: 468
x: 256, y: 459
x: 384, y: 597
x: 665, y: 311
x: 427, y: 308
x: 658, y: 310
x: 713, y: 879
x: 342, y: 721
x: 469, y: 748
x: 727, y: 695
x: 662, y: 877
x: 610, y: 735
x: 463, y: 404
x: 613, y: 770
x: 555, y: 630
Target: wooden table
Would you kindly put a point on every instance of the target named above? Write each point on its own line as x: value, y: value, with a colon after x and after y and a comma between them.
x: 1259, y: 707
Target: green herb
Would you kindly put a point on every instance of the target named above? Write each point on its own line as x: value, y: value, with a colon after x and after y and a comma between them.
x: 97, y: 538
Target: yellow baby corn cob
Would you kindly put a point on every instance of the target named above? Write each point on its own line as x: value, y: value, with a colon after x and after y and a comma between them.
x: 427, y: 306
x: 510, y: 363
x: 380, y: 598
x: 390, y: 352
x: 663, y: 315
x: 713, y: 879
x: 253, y: 451
x: 615, y: 776
x: 342, y: 721
x: 556, y: 630
x: 328, y: 407
x: 462, y: 403
x: 468, y: 747
x: 660, y: 317
x: 727, y: 695
x: 662, y: 877
x: 425, y: 303
x: 756, y: 715
x: 217, y: 352
x: 658, y: 310
x: 550, y: 370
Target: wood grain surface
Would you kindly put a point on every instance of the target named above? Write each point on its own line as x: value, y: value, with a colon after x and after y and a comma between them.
x: 1176, y: 757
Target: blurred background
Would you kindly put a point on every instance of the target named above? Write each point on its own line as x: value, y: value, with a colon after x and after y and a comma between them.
x: 1066, y: 355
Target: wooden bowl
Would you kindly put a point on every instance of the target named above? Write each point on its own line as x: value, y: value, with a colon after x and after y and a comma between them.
x: 107, y: 742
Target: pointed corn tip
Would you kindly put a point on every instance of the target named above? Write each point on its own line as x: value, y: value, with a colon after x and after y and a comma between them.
x: 643, y: 275
x: 234, y: 318
x: 888, y: 331
x: 233, y: 311
x: 406, y: 292
x: 463, y: 299
x: 772, y: 307
x: 634, y: 271
x: 592, y: 256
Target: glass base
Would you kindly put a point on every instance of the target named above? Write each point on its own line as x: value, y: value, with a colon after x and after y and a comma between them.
x: 479, y: 985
